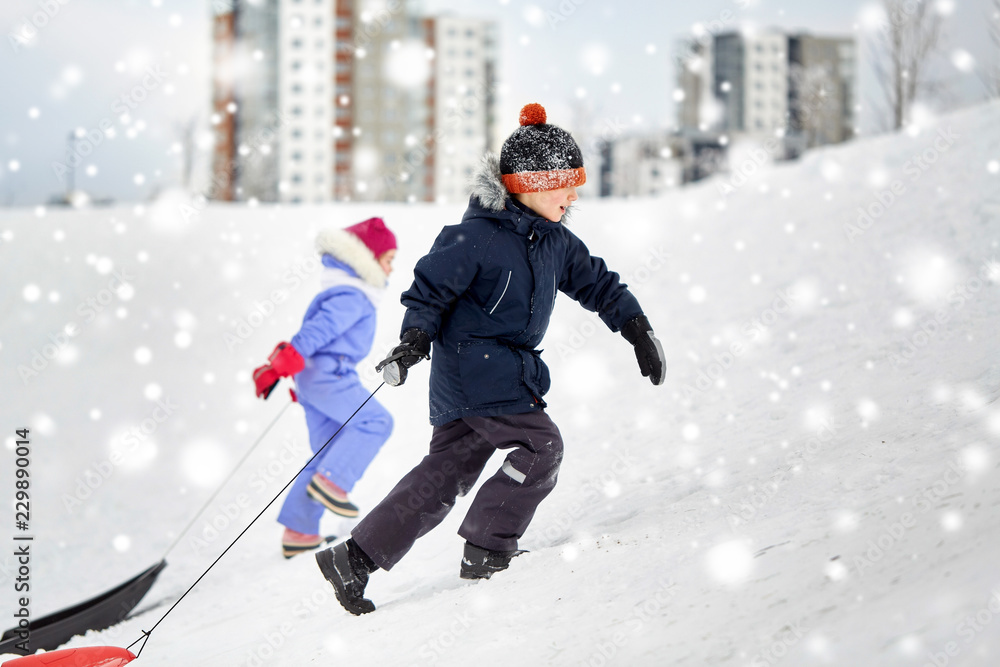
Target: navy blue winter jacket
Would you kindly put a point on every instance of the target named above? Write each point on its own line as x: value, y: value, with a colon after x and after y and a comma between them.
x: 484, y: 294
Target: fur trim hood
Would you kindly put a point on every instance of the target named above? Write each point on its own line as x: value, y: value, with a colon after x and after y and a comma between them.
x: 488, y: 187
x: 352, y: 251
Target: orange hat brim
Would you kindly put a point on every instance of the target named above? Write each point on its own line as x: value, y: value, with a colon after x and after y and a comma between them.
x: 540, y: 181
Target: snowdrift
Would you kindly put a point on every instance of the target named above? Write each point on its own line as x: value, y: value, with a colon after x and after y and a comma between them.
x: 816, y: 483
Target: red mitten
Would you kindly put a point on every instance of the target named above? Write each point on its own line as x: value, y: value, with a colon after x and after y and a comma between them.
x: 286, y: 360
x: 266, y: 379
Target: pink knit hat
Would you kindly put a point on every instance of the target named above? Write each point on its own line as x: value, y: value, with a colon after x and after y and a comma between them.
x: 374, y: 234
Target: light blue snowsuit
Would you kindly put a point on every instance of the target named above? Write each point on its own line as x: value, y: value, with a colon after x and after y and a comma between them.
x: 337, y: 332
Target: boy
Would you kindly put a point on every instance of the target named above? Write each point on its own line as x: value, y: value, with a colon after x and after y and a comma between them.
x: 483, y: 296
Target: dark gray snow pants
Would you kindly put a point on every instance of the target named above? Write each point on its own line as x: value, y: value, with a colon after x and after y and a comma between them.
x: 459, y: 450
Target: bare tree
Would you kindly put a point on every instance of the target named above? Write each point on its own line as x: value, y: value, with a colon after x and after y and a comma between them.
x: 816, y: 104
x: 909, y: 38
x: 990, y: 75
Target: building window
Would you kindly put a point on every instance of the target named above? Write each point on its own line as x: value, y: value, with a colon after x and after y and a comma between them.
x: 296, y: 43
x: 296, y: 178
x: 296, y: 156
x: 296, y: 133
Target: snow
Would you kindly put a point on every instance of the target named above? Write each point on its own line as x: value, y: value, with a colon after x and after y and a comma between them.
x: 815, y: 484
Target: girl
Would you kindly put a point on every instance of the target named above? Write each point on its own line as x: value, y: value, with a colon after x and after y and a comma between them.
x: 337, y: 332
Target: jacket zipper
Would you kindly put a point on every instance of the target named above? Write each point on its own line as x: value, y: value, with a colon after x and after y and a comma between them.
x: 502, y: 293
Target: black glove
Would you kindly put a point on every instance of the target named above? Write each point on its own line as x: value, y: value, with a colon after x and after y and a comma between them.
x: 648, y: 351
x: 414, y: 345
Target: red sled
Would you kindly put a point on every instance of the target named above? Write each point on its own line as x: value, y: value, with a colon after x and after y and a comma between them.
x: 93, y: 656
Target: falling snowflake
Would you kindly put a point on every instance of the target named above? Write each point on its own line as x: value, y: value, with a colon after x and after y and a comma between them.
x: 845, y: 521
x: 975, y: 459
x: 104, y: 265
x: 335, y: 644
x: 868, y: 409
x: 730, y: 562
x: 902, y: 318
x: 205, y: 463
x: 951, y: 521
x: 963, y: 60
x: 835, y: 571
x: 928, y: 276
x: 44, y: 424
x: 697, y: 294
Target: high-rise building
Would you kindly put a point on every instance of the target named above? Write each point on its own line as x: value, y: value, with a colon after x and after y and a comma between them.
x: 463, y: 101
x: 246, y: 113
x: 750, y: 79
x: 317, y: 100
x: 768, y: 83
x: 639, y: 166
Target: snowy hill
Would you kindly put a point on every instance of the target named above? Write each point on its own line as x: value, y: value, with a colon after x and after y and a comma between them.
x: 818, y: 482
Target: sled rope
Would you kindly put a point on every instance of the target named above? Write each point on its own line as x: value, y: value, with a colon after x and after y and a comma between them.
x: 146, y: 633
x: 226, y: 481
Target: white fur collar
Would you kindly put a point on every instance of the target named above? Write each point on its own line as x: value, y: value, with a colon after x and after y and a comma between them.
x: 352, y: 251
x: 333, y: 276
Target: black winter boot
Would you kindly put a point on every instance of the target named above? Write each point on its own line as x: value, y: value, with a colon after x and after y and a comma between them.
x: 480, y: 563
x: 347, y: 567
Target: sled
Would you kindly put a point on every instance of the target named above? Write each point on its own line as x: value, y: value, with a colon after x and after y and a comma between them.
x: 96, y: 613
x: 94, y: 656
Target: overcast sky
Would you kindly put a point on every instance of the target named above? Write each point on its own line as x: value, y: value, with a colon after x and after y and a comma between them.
x: 143, y: 67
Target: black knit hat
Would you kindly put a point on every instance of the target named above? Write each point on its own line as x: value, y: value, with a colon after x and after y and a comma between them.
x: 538, y: 156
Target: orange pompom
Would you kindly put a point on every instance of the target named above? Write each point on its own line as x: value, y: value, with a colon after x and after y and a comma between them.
x: 533, y: 114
